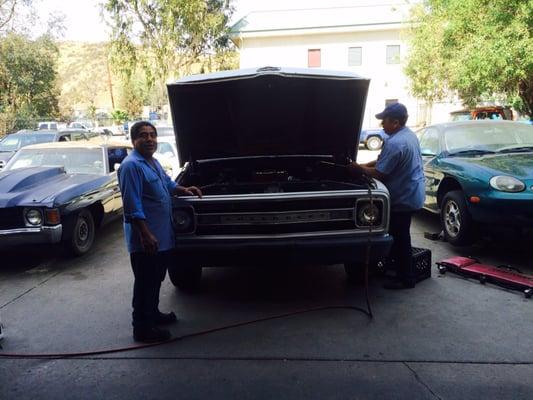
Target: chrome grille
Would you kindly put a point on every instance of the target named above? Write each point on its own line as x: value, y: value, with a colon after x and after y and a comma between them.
x: 275, y: 216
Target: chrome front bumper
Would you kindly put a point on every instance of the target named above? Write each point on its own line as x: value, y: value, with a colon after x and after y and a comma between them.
x: 42, y: 234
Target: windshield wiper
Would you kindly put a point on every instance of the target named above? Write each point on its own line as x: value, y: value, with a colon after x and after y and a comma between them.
x: 518, y: 149
x: 471, y: 152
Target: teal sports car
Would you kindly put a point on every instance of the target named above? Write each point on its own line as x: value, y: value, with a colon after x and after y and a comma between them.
x: 478, y: 173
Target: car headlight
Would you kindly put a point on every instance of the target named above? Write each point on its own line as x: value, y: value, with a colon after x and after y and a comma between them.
x: 506, y: 184
x: 183, y: 220
x: 368, y: 213
x: 33, y: 216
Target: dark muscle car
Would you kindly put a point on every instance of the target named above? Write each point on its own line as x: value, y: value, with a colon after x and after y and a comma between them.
x: 60, y: 192
x: 478, y: 173
x: 268, y: 149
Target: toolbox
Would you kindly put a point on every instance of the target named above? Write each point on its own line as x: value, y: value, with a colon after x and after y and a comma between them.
x: 421, y: 263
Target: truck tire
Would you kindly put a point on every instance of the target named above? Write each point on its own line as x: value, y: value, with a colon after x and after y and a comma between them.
x: 374, y: 143
x: 186, y: 278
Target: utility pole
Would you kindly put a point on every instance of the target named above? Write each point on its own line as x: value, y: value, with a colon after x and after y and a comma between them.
x: 110, y: 84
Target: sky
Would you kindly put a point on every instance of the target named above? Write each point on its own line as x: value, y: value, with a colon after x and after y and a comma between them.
x: 83, y: 22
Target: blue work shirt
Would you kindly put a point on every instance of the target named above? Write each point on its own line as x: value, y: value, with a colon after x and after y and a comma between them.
x: 401, y: 162
x: 146, y: 194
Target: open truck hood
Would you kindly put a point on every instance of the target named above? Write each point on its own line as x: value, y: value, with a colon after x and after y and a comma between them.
x: 268, y: 112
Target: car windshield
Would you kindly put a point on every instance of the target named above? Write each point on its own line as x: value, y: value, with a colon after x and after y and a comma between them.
x: 461, y: 117
x: 492, y: 137
x: 165, y: 148
x: 14, y: 141
x: 75, y: 161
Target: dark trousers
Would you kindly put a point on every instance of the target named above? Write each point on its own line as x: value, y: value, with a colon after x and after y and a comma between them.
x: 148, y: 271
x: 401, y: 253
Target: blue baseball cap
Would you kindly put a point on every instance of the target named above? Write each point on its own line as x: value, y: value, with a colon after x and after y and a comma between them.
x: 394, y: 110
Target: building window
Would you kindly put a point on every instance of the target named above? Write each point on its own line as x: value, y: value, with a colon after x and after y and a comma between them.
x: 393, y: 54
x: 355, y: 56
x: 313, y: 58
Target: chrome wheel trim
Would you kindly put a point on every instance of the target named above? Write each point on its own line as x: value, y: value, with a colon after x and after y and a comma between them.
x: 452, y: 218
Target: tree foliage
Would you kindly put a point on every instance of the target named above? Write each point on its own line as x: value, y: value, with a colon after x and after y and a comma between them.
x: 166, y: 37
x: 27, y: 80
x: 479, y: 49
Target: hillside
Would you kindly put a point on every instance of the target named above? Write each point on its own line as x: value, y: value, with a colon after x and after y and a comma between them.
x: 83, y: 76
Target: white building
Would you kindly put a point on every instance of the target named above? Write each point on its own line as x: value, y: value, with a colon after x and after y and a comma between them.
x: 367, y: 40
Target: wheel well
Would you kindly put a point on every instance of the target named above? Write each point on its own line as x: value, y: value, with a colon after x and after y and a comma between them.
x: 374, y: 136
x: 97, y: 210
x: 447, y: 185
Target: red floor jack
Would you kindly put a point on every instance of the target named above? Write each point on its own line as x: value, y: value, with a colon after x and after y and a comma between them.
x: 502, y: 275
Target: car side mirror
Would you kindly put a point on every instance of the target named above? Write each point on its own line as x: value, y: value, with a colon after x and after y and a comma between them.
x: 116, y: 166
x: 428, y: 153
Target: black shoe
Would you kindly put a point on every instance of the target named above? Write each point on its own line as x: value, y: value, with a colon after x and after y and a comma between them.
x: 165, y: 318
x: 397, y: 285
x: 150, y: 335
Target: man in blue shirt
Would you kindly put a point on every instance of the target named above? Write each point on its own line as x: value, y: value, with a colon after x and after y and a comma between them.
x: 146, y: 195
x: 400, y: 168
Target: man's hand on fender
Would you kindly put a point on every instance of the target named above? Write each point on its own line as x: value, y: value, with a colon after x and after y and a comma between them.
x: 188, y: 191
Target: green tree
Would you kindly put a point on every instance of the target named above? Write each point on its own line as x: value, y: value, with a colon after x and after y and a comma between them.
x: 119, y: 116
x: 166, y: 37
x: 478, y: 49
x: 27, y: 80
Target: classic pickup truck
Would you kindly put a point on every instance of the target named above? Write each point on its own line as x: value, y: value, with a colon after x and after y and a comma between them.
x: 268, y: 147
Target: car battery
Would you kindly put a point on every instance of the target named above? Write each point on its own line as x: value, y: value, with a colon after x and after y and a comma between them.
x: 421, y: 264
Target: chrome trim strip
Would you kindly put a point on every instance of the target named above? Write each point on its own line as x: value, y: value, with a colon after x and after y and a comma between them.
x: 272, y: 214
x: 376, y: 193
x: 47, y: 229
x: 340, y: 233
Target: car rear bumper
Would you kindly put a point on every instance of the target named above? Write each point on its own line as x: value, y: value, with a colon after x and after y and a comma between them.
x: 208, y: 252
x: 20, y: 236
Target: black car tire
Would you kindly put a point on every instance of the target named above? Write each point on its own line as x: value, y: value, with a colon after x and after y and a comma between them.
x: 186, y: 278
x: 83, y: 233
x: 374, y: 143
x: 456, y: 221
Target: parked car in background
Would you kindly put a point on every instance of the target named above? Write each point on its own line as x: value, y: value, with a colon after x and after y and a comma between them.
x: 48, y: 125
x: 10, y: 144
x: 372, y: 139
x: 60, y: 192
x: 271, y: 163
x: 478, y: 173
x: 86, y: 126
x: 167, y: 154
x: 484, y: 112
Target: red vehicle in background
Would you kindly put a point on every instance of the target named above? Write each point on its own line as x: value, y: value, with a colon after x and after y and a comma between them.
x: 483, y: 112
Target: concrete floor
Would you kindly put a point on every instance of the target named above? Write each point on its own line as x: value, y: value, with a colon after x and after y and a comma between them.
x: 449, y: 338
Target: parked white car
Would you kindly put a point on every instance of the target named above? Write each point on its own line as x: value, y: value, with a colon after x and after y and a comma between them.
x: 167, y: 155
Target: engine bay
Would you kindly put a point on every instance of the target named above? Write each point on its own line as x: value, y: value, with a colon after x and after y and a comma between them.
x: 270, y: 175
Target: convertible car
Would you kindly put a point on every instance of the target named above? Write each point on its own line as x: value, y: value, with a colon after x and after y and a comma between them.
x: 60, y: 192
x: 478, y: 173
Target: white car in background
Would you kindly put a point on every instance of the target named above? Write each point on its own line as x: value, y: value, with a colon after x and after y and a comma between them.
x: 167, y: 154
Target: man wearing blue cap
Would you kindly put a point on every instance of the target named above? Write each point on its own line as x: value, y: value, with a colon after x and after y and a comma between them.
x: 400, y: 168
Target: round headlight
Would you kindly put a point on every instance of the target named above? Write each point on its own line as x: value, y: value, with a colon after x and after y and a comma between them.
x: 34, y: 216
x: 367, y: 214
x: 506, y: 184
x: 183, y: 220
